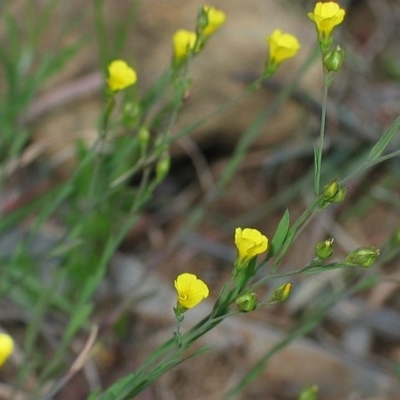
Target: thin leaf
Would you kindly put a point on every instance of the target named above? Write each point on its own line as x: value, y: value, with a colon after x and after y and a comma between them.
x: 280, y: 234
x: 385, y: 139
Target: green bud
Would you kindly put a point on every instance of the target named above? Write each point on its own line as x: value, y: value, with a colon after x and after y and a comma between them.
x: 246, y: 302
x: 324, y: 250
x: 333, y: 60
x: 201, y: 20
x: 331, y: 190
x: 281, y: 293
x: 144, y: 138
x: 363, y: 256
x: 130, y: 114
x: 309, y: 393
x: 333, y: 193
x: 162, y: 167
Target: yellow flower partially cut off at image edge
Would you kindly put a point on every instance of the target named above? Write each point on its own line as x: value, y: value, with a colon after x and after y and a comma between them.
x: 216, y: 18
x: 121, y: 75
x: 326, y: 16
x: 281, y: 46
x: 183, y: 41
x: 249, y: 243
x: 6, y: 347
x: 191, y: 290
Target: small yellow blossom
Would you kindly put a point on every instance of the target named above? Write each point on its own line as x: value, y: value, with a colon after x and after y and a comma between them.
x: 184, y: 42
x: 281, y: 46
x: 121, y: 75
x: 215, y: 19
x: 6, y: 347
x: 249, y: 243
x: 191, y: 291
x: 326, y: 16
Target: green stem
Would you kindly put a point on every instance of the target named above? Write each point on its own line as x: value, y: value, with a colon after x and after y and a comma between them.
x: 319, y: 148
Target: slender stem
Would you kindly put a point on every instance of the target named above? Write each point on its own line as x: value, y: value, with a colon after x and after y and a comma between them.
x: 319, y: 148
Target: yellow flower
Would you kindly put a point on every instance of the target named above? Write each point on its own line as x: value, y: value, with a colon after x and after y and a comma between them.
x: 249, y: 243
x: 6, y: 347
x: 121, y: 75
x: 326, y: 16
x: 184, y: 42
x: 215, y: 19
x: 191, y: 291
x: 281, y: 46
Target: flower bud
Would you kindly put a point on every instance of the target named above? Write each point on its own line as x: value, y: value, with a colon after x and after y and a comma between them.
x: 144, y: 137
x: 309, y: 393
x: 201, y: 20
x: 246, y: 302
x: 281, y: 293
x: 333, y: 193
x: 324, y: 250
x: 363, y: 256
x: 130, y: 114
x: 333, y: 59
x: 162, y: 167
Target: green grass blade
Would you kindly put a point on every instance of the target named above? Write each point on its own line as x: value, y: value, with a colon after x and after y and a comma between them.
x: 384, y: 141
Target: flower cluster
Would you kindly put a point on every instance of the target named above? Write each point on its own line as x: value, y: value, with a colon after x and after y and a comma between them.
x: 186, y: 42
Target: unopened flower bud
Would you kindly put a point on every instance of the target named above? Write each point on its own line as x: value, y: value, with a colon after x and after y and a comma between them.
x: 333, y: 193
x: 333, y: 59
x: 162, y: 167
x: 201, y: 20
x: 324, y: 250
x: 281, y: 293
x: 246, y: 302
x: 309, y: 393
x: 144, y: 137
x: 130, y: 114
x: 363, y: 256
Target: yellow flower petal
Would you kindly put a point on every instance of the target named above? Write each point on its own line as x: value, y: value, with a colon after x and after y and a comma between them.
x: 249, y: 243
x: 183, y: 42
x: 6, y: 347
x: 121, y: 75
x: 215, y: 19
x: 191, y: 290
x: 281, y: 46
x: 326, y: 16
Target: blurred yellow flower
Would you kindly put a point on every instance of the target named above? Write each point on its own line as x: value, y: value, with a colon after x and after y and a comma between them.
x: 281, y: 46
x: 326, y: 16
x: 184, y: 42
x: 215, y: 19
x: 191, y: 291
x: 121, y: 75
x: 6, y: 347
x: 249, y: 243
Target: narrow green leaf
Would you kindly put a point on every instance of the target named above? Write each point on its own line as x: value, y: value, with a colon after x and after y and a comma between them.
x: 280, y: 234
x: 385, y: 139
